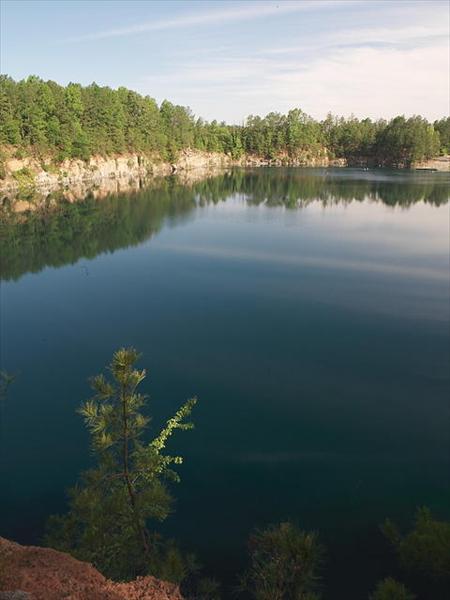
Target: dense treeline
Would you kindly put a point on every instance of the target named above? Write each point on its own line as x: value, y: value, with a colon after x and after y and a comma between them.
x: 77, y: 122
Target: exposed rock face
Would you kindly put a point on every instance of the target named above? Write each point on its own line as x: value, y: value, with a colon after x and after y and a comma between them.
x: 34, y: 573
x: 76, y: 172
x: 300, y: 161
x: 194, y: 159
x: 440, y: 163
x: 120, y: 169
x: 45, y: 198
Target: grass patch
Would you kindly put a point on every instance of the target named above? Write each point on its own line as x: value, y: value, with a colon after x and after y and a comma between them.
x: 24, y: 178
x: 50, y: 168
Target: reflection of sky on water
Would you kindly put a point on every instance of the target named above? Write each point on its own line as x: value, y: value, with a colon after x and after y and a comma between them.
x: 327, y: 263
x: 365, y: 256
x: 418, y: 228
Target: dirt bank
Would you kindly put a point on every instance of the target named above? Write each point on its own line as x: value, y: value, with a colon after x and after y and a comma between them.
x: 45, y: 574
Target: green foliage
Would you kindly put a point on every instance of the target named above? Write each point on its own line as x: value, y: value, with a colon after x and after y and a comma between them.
x: 292, y: 135
x: 351, y: 138
x: 49, y: 168
x: 169, y: 563
x: 204, y: 589
x: 111, y: 507
x: 424, y: 550
x: 443, y: 128
x: 284, y: 564
x: 9, y: 120
x: 389, y: 589
x: 24, y: 177
x: 398, y: 142
x: 404, y: 141
x: 6, y: 379
x: 78, y: 122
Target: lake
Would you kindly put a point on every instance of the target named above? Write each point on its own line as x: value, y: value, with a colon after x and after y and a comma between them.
x: 308, y: 309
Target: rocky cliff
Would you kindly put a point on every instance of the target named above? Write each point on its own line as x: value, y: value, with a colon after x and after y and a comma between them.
x: 34, y: 573
x: 440, y: 163
x: 41, y: 173
x: 27, y: 172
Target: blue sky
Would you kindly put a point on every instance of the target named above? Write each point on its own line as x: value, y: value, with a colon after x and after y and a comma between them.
x: 229, y: 59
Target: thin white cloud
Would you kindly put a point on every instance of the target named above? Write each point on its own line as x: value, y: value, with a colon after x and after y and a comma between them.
x: 380, y: 60
x: 240, y: 13
x: 373, y: 82
x: 367, y: 81
x: 366, y: 37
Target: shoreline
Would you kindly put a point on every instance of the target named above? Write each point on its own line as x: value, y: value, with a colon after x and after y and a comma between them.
x: 129, y: 171
x: 41, y: 174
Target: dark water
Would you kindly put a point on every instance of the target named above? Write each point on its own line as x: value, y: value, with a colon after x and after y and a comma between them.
x: 307, y: 309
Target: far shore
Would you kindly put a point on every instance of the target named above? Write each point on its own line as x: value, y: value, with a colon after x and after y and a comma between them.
x: 130, y: 171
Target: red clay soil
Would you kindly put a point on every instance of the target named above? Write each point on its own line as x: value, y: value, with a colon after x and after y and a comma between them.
x: 50, y: 575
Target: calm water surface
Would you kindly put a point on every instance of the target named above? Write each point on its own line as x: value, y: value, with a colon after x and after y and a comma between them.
x: 307, y: 309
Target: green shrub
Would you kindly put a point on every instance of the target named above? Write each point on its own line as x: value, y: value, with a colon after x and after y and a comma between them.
x: 24, y: 177
x: 426, y: 549
x: 389, y: 589
x: 284, y: 564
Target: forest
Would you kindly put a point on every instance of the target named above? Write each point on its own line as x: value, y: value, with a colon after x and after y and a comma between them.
x: 43, y: 118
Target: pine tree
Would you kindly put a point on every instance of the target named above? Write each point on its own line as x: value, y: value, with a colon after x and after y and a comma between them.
x: 112, y: 506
